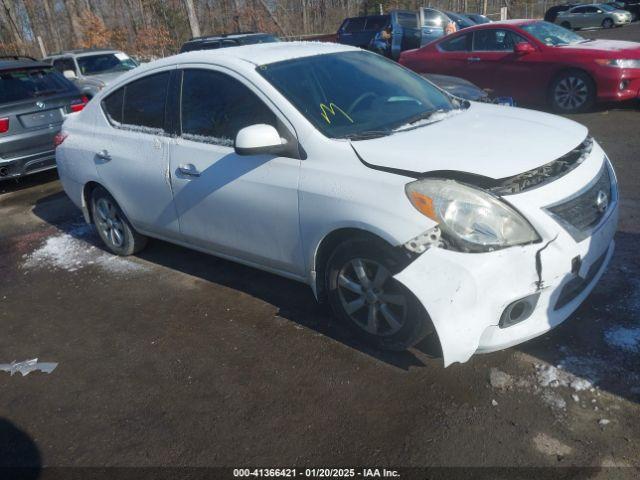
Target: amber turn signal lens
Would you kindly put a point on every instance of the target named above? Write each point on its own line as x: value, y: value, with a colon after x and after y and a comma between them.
x: 424, y: 204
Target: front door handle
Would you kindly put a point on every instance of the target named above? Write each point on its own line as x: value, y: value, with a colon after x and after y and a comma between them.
x: 189, y: 169
x: 103, y: 155
x: 473, y: 59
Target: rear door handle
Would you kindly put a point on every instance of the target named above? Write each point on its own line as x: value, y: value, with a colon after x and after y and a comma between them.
x: 104, y: 155
x: 473, y: 59
x: 189, y: 169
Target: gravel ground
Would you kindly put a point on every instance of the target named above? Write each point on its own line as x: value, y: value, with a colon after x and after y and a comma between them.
x: 175, y: 358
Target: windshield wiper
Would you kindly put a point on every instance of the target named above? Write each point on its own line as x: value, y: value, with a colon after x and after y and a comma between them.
x: 368, y: 134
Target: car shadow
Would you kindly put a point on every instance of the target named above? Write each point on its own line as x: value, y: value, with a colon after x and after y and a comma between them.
x: 20, y: 457
x: 293, y: 300
x: 16, y: 184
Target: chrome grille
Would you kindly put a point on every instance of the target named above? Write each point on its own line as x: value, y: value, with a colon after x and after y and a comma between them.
x: 581, y: 213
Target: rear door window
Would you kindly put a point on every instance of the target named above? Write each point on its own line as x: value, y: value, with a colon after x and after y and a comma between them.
x: 144, y: 103
x: 355, y: 25
x: 376, y: 23
x: 408, y: 20
x: 32, y: 83
x: 433, y: 18
x: 215, y: 106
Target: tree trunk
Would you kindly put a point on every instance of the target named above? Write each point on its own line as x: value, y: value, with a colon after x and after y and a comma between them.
x: 54, y: 35
x: 73, y: 12
x: 9, y: 18
x: 193, y: 19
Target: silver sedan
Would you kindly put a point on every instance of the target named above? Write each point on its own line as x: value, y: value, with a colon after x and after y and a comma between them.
x: 590, y: 16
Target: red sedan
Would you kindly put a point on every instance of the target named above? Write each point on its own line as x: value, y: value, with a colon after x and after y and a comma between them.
x: 535, y: 62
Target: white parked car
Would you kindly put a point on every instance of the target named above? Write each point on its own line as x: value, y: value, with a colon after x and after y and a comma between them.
x: 410, y: 211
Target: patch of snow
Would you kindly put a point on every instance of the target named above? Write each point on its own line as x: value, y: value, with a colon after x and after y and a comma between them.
x: 223, y: 141
x: 499, y: 379
x: 494, y: 403
x: 550, y: 446
x: 554, y: 400
x: 71, y: 251
x: 627, y: 339
x: 603, y: 422
x: 575, y: 397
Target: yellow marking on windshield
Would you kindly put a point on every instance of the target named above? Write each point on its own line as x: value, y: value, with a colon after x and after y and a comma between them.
x: 332, y: 110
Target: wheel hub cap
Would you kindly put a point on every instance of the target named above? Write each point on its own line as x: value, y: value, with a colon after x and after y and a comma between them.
x: 371, y: 298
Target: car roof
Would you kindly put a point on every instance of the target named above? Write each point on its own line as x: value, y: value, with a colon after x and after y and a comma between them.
x: 13, y: 63
x: 500, y: 23
x: 82, y: 52
x: 231, y: 36
x: 259, y: 54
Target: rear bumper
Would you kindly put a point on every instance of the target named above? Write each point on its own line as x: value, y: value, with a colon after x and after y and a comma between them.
x: 27, y: 164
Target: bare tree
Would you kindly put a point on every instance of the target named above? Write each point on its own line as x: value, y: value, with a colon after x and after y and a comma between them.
x: 193, y: 19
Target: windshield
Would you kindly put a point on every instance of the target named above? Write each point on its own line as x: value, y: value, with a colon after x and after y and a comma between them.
x: 607, y: 8
x: 355, y: 94
x: 552, y: 35
x: 25, y: 84
x: 106, y: 62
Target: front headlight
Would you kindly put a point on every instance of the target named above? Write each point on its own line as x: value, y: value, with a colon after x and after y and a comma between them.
x: 470, y: 218
x: 619, y: 63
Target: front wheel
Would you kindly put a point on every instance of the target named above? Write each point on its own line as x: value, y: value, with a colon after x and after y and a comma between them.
x: 572, y: 92
x: 113, y: 226
x: 607, y: 23
x: 375, y: 306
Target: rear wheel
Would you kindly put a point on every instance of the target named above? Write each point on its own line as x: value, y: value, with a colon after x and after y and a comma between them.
x: 607, y: 23
x: 572, y: 92
x: 113, y: 226
x: 364, y: 294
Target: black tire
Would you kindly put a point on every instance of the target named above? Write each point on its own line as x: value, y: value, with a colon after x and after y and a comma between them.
x: 112, y: 225
x: 566, y: 25
x: 572, y: 92
x: 411, y: 322
x: 607, y: 23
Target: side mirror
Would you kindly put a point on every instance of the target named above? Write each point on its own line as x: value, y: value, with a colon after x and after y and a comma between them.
x: 523, y: 48
x: 69, y: 74
x: 260, y: 139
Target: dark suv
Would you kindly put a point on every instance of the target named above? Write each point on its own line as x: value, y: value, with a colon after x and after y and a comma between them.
x: 34, y: 100
x: 212, y: 42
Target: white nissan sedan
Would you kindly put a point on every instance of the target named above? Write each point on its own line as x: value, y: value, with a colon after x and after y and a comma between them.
x: 408, y: 210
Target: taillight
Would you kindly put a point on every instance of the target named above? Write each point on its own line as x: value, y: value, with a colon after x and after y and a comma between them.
x: 4, y: 125
x: 78, y: 105
x: 58, y: 139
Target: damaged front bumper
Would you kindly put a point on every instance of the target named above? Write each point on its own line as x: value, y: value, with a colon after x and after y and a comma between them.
x: 467, y: 294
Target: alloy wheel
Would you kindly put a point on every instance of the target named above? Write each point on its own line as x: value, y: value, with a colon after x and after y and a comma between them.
x: 110, y: 223
x: 571, y: 93
x: 370, y: 297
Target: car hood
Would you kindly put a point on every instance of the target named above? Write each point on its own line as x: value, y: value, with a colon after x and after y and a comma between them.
x: 489, y: 140
x: 614, y: 47
x: 457, y: 86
